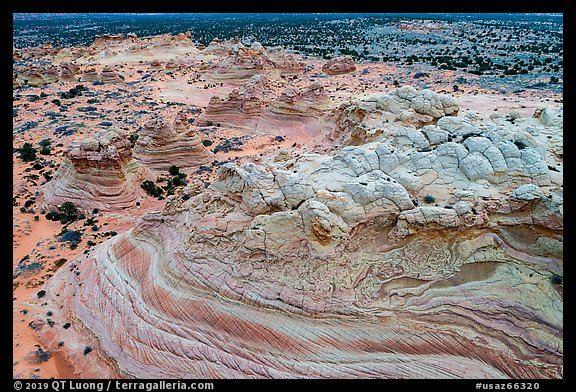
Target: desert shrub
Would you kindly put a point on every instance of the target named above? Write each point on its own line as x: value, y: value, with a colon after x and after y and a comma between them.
x: 45, y: 151
x: 556, y: 279
x: 27, y: 152
x: 174, y: 170
x: 69, y: 210
x: 429, y: 199
x: 71, y: 236
x: 151, y: 188
x: 41, y: 356
x: 41, y: 293
x: 87, y: 350
x: 53, y: 215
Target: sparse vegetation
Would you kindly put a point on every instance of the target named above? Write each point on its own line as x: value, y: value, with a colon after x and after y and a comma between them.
x: 429, y: 199
x: 151, y: 188
x: 27, y: 152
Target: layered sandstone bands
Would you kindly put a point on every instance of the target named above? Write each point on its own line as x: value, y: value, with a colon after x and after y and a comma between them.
x: 162, y: 143
x: 339, y: 66
x: 334, y: 266
x: 238, y: 61
x: 98, y: 172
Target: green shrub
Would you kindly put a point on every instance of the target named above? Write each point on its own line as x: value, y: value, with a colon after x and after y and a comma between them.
x: 69, y: 210
x: 429, y: 199
x: 151, y: 188
x: 27, y: 152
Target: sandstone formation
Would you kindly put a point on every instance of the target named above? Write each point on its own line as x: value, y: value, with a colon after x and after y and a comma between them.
x: 50, y: 74
x: 109, y: 75
x: 365, y: 119
x: 68, y: 71
x: 31, y: 76
x: 90, y: 75
x: 430, y: 252
x: 156, y: 64
x: 248, y: 99
x: 98, y: 172
x: 162, y: 143
x: 311, y: 102
x: 239, y: 61
x: 339, y: 66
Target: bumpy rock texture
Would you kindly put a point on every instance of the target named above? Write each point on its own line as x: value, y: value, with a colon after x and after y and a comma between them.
x: 162, y: 143
x: 366, y: 118
x: 336, y: 266
x: 98, y: 172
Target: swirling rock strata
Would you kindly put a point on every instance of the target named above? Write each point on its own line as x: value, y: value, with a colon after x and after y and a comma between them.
x: 324, y: 266
x: 98, y: 172
x: 162, y: 143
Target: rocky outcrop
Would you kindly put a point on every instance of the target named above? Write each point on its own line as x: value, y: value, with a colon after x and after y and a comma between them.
x: 339, y: 66
x: 239, y: 61
x: 156, y: 65
x: 50, y: 74
x: 68, y: 71
x: 162, y: 143
x: 90, y: 75
x: 109, y: 75
x: 98, y: 172
x: 310, y: 102
x: 249, y: 99
x: 31, y: 76
x: 428, y: 253
x: 364, y: 119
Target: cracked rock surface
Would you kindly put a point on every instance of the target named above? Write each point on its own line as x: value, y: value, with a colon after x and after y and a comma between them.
x: 424, y: 247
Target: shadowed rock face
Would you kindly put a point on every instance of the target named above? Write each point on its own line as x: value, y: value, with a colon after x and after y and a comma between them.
x: 162, y: 144
x: 325, y: 266
x: 98, y: 172
x: 339, y: 66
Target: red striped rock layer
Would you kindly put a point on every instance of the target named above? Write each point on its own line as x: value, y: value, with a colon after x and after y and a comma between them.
x: 97, y: 173
x: 154, y: 316
x: 162, y: 144
x: 254, y: 103
x: 239, y: 61
x: 274, y: 273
